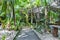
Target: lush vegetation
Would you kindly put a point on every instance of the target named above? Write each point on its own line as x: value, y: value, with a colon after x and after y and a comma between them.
x: 15, y: 14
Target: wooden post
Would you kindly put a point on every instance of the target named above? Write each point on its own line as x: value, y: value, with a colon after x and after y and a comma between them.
x: 55, y: 31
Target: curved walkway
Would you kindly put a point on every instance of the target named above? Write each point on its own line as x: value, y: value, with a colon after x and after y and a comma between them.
x: 27, y: 34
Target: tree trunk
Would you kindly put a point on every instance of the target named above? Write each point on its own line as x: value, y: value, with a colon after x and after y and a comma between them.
x: 14, y: 17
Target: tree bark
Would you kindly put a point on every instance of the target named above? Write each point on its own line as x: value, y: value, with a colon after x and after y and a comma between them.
x: 14, y: 16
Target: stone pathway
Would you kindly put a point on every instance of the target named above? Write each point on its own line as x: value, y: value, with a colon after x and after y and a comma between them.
x: 46, y: 36
x: 27, y: 34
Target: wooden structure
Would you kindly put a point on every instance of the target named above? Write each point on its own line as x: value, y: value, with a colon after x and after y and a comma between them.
x: 55, y: 30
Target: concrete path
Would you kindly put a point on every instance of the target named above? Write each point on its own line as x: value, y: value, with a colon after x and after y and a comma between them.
x: 27, y: 34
